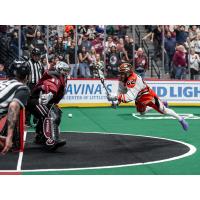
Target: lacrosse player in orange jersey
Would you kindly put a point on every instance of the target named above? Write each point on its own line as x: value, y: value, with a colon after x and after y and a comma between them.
x: 133, y: 88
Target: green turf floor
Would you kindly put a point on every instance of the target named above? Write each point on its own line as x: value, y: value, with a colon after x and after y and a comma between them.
x: 122, y: 121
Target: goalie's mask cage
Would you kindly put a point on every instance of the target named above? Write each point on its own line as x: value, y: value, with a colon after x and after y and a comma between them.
x: 62, y: 68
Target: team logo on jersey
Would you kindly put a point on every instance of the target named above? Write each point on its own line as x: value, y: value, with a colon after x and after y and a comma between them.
x: 130, y: 83
x: 48, y: 131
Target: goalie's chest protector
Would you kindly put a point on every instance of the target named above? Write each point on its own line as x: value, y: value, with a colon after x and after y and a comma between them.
x: 7, y: 92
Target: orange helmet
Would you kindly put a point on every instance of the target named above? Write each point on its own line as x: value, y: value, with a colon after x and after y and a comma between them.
x: 125, y: 68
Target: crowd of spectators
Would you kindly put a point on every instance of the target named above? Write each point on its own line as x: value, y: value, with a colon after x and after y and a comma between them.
x: 83, y: 46
x: 80, y: 46
x: 181, y: 49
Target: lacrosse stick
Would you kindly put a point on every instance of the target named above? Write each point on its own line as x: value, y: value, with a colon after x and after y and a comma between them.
x: 106, y: 89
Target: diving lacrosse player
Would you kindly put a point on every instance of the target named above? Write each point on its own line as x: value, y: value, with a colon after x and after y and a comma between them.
x: 133, y: 88
x: 44, y: 97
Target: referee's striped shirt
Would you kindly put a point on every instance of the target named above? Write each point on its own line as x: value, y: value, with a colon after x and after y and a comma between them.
x: 36, y: 71
x: 8, y: 89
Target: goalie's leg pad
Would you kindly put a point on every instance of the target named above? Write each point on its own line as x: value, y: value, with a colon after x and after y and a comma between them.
x: 51, y: 128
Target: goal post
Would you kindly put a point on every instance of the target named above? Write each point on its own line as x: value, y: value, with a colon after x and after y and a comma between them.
x: 21, y: 129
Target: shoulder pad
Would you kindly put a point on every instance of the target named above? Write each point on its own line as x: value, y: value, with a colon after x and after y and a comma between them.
x: 131, y: 81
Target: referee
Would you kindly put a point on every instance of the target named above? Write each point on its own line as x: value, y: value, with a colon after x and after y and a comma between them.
x: 36, y: 69
x: 36, y: 72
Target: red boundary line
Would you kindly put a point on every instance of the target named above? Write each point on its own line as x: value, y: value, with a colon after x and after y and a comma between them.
x: 21, y: 129
x: 10, y: 173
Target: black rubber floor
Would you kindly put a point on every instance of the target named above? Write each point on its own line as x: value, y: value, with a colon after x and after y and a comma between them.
x: 9, y: 161
x: 97, y: 150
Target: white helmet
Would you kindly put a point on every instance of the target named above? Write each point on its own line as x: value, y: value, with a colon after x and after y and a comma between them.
x: 62, y: 68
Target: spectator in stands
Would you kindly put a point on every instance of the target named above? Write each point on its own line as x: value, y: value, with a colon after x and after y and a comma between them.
x: 3, y: 30
x: 181, y: 34
x: 110, y: 30
x: 120, y: 45
x: 92, y: 59
x: 180, y: 62
x: 128, y: 46
x: 60, y: 29
x: 97, y: 43
x: 84, y: 42
x: 155, y: 36
x: 122, y: 30
x: 141, y: 64
x: 109, y: 43
x: 114, y: 61
x: 197, y: 44
x: 14, y: 43
x: 84, y: 63
x: 67, y: 40
x: 120, y: 48
x: 194, y: 61
x: 59, y: 48
x: 169, y: 45
x: 71, y: 60
x: 38, y: 42
x: 2, y: 71
x: 30, y: 32
x: 69, y: 29
x: 44, y: 63
x: 193, y: 33
x: 91, y: 33
x: 97, y: 67
x: 157, y: 41
x: 189, y: 44
x: 92, y: 55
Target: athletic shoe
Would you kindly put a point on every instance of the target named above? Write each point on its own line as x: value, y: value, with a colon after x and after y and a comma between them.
x: 41, y: 140
x: 59, y: 143
x: 184, y: 124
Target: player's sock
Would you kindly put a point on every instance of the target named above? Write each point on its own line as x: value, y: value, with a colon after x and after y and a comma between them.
x: 165, y: 104
x: 170, y: 112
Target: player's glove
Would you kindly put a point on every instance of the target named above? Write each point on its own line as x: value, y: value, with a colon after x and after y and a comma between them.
x: 101, y: 75
x: 112, y: 97
x: 45, y: 98
x: 115, y: 104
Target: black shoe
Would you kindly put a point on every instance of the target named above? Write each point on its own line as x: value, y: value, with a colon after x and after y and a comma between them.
x: 58, y: 143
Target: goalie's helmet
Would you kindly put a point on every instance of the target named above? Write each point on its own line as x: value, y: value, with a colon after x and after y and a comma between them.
x: 125, y: 68
x: 62, y: 68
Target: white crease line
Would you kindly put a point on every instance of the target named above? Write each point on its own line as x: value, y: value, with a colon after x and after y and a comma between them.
x: 19, y: 163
